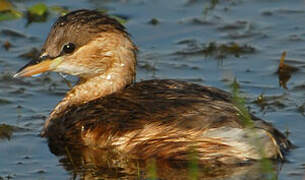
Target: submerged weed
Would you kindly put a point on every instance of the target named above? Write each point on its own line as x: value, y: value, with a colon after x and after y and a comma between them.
x: 152, y: 170
x: 193, y: 165
x: 245, y: 117
x: 239, y: 103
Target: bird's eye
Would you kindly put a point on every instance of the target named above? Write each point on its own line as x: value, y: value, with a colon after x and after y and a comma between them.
x: 68, y: 48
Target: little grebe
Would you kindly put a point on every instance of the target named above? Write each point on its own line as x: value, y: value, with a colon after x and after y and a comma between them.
x: 163, y: 119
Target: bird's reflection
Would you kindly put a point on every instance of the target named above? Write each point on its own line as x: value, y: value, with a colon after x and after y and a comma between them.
x: 91, y: 163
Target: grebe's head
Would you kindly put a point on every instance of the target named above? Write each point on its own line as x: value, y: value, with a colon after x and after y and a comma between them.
x: 84, y: 43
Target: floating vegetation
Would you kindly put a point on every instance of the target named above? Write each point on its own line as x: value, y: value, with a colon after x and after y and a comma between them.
x: 221, y: 50
x: 6, y: 131
x: 284, y: 71
x: 282, y: 11
x: 272, y: 102
x: 37, y: 13
x: 218, y: 50
x: 154, y: 21
x: 8, y: 12
x: 260, y: 99
x: 211, y: 5
x: 236, y: 25
x: 38, y: 9
x: 4, y: 101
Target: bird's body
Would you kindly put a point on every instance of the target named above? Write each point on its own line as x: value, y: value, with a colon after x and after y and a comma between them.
x: 166, y: 119
x: 163, y: 119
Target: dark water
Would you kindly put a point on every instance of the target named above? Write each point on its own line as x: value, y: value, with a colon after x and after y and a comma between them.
x: 171, y: 48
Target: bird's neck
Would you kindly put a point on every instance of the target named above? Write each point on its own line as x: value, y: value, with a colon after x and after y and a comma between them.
x: 120, y: 75
x: 95, y: 87
x: 89, y: 89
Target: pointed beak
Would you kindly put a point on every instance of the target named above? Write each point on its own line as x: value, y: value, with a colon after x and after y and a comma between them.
x: 36, y: 67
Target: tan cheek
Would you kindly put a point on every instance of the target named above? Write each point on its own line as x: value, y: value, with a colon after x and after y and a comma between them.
x: 85, y: 65
x: 94, y: 58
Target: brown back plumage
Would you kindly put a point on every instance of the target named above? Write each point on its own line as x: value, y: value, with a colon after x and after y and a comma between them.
x: 167, y: 119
